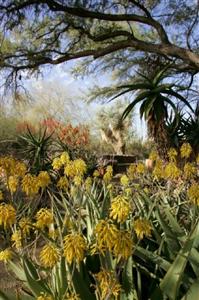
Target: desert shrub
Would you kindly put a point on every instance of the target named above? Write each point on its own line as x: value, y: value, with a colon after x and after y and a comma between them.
x: 74, y: 137
x: 7, y: 131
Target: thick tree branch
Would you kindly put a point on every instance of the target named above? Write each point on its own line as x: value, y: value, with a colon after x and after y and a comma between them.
x: 83, y: 13
x: 169, y: 50
x: 95, y: 45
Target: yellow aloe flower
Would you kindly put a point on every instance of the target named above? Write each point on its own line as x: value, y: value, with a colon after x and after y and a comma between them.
x: 49, y: 256
x: 96, y: 173
x: 63, y: 183
x: 43, y: 179
x: 78, y: 180
x: 69, y: 169
x: 43, y: 218
x: 120, y: 208
x: 193, y: 193
x: 190, y: 170
x: 172, y: 153
x: 7, y: 215
x: 106, y: 235
x: 12, y: 183
x: 185, y: 150
x: 131, y: 171
x: 140, y: 168
x: 21, y: 169
x: 124, y: 180
x: 109, y: 169
x: 5, y: 255
x: 108, y: 284
x: 7, y: 164
x: 153, y: 155
x: 172, y: 171
x: 88, y: 184
x: 142, y: 228
x: 16, y: 238
x: 123, y: 245
x: 158, y: 171
x: 25, y: 225
x: 108, y: 175
x: 74, y: 247
x: 57, y: 164
x: 64, y: 158
x: 80, y: 166
x: 30, y: 185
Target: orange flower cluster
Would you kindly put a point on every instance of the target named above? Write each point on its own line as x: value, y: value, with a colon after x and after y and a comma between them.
x: 73, y: 136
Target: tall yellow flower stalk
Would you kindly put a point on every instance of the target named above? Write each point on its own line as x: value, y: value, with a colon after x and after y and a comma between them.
x: 172, y: 172
x: 106, y: 235
x: 49, y: 255
x: 5, y: 255
x: 142, y: 228
x: 74, y: 247
x: 43, y: 179
x: 120, y: 208
x: 107, y: 284
x: 30, y: 185
x: 108, y: 175
x: 123, y: 246
x: 172, y: 154
x: 44, y: 218
x: 25, y: 225
x: 7, y: 215
x: 185, y: 150
x: 13, y: 183
x: 16, y: 238
x: 193, y: 193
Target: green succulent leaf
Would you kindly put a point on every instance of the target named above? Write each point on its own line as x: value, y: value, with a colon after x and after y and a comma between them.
x: 172, y: 280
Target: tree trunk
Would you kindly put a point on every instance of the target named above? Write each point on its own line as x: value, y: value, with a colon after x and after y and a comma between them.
x: 160, y: 137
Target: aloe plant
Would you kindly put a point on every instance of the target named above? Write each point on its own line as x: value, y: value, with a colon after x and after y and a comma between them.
x: 155, y: 98
x: 162, y: 264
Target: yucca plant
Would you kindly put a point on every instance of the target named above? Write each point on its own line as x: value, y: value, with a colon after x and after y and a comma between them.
x: 35, y: 148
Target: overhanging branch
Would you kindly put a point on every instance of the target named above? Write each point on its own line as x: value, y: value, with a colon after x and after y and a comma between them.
x: 83, y: 13
x: 171, y: 51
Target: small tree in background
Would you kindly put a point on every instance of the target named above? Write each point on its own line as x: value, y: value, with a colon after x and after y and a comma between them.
x: 114, y: 131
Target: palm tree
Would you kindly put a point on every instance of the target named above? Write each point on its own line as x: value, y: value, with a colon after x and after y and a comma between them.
x: 154, y: 95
